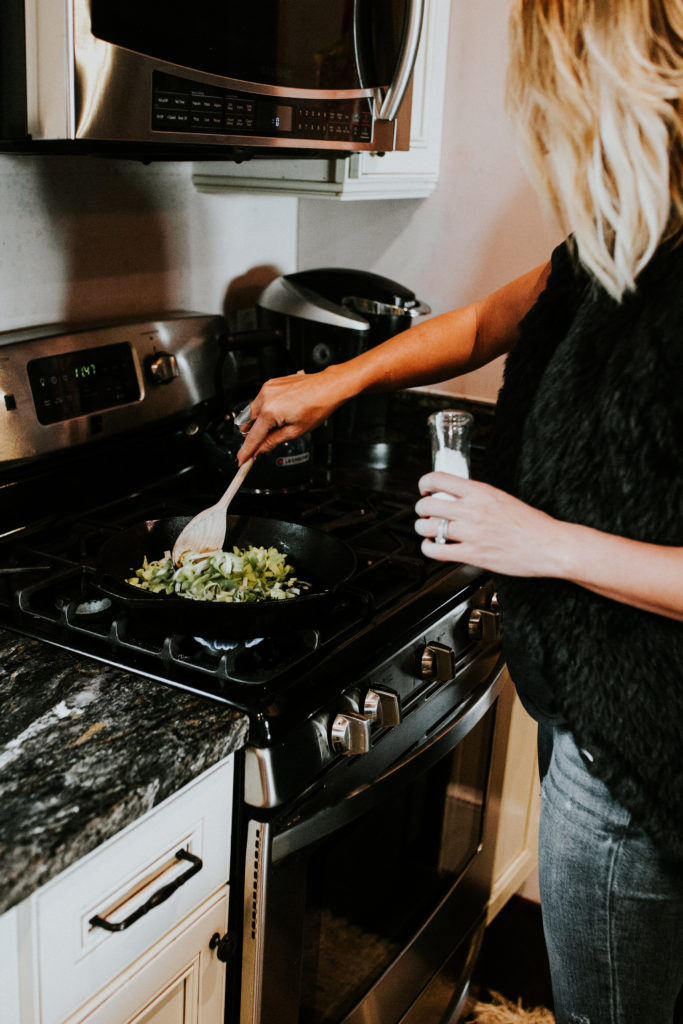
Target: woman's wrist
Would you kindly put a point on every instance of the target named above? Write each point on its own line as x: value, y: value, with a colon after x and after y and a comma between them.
x: 644, y: 575
x: 345, y: 379
x: 565, y: 551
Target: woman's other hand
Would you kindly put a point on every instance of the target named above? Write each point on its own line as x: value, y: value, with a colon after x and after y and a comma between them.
x: 485, y: 527
x: 494, y: 531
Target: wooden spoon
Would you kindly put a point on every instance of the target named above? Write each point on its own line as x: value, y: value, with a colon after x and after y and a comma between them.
x: 206, y: 530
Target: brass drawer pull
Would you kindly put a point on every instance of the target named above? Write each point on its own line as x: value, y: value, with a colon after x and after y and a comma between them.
x: 155, y: 899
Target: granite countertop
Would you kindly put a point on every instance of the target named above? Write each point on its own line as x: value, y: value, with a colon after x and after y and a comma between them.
x: 85, y: 749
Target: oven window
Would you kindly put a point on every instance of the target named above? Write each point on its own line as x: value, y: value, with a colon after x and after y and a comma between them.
x: 373, y: 884
x: 303, y: 44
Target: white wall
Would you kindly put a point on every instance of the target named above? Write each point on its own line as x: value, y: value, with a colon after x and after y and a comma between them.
x: 481, y: 227
x: 84, y: 238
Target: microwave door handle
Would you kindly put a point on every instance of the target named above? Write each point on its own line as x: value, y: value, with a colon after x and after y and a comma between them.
x: 406, y: 62
x: 357, y: 47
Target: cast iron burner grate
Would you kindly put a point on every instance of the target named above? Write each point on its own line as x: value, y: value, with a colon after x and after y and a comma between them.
x: 56, y: 600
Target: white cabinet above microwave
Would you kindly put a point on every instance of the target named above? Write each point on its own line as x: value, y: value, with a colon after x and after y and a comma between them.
x: 397, y: 175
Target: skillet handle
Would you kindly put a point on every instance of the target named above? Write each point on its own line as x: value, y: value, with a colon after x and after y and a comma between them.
x: 113, y: 587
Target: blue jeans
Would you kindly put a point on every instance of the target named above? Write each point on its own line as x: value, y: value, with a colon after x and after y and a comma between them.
x: 612, y: 907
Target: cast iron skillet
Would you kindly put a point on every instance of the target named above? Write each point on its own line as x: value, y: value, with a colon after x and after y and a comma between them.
x: 325, y: 562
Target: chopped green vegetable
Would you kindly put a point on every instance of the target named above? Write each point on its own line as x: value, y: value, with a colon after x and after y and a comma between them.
x: 243, y: 574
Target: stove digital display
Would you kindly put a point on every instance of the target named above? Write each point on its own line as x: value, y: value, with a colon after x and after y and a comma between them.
x: 79, y: 383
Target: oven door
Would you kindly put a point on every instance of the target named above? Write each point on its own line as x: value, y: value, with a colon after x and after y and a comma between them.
x: 353, y: 908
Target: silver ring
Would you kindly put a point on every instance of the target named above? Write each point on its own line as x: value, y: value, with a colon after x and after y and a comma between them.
x: 442, y: 532
x: 243, y: 416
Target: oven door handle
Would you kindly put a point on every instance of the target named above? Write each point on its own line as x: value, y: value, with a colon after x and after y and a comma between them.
x: 297, y: 833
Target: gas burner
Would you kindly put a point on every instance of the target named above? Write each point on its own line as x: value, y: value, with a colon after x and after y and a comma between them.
x: 219, y: 646
x: 95, y: 607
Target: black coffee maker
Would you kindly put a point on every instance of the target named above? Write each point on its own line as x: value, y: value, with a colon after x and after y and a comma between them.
x: 327, y: 316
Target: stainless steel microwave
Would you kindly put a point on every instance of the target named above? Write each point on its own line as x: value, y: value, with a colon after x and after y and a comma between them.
x: 207, y: 78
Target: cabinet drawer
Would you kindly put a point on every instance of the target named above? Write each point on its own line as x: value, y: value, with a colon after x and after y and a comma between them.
x: 180, y: 980
x: 136, y: 880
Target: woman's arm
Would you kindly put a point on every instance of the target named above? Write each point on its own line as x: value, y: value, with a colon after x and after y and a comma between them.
x: 495, y: 531
x: 450, y: 344
x: 647, y: 576
x: 432, y: 351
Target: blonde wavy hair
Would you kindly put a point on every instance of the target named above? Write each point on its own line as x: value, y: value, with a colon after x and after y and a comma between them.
x: 596, y: 90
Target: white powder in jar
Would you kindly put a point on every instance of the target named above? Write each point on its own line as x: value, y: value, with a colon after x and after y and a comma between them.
x: 448, y: 460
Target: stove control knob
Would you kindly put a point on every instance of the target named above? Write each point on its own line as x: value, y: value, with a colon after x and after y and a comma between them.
x: 382, y: 706
x: 350, y: 733
x: 484, y: 626
x: 162, y: 367
x: 437, y: 663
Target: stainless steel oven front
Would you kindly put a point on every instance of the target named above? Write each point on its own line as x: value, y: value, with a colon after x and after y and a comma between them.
x: 365, y: 896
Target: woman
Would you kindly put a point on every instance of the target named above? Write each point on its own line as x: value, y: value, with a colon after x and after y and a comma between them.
x: 581, y: 519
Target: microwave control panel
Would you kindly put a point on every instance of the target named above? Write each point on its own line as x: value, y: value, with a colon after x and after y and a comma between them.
x: 180, y: 105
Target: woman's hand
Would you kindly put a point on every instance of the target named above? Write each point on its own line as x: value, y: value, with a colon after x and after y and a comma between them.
x: 494, y: 531
x: 287, y: 407
x: 486, y: 527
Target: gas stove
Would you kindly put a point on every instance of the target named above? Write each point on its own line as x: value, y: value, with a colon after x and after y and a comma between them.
x: 61, y: 507
x: 378, y: 713
x: 47, y: 592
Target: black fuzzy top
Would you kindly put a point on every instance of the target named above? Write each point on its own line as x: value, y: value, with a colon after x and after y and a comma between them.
x: 589, y: 428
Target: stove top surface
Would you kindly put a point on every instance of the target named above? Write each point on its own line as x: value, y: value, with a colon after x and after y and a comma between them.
x: 48, y: 572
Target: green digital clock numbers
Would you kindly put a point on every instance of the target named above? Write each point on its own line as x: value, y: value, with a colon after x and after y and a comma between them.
x: 87, y: 370
x: 83, y: 382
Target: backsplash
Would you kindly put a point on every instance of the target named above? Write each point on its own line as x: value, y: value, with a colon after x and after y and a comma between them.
x: 87, y: 238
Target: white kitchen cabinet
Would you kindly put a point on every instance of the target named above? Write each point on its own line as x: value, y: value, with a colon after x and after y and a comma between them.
x: 515, y: 773
x: 400, y: 175
x: 178, y: 981
x: 160, y: 969
x: 9, y: 967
